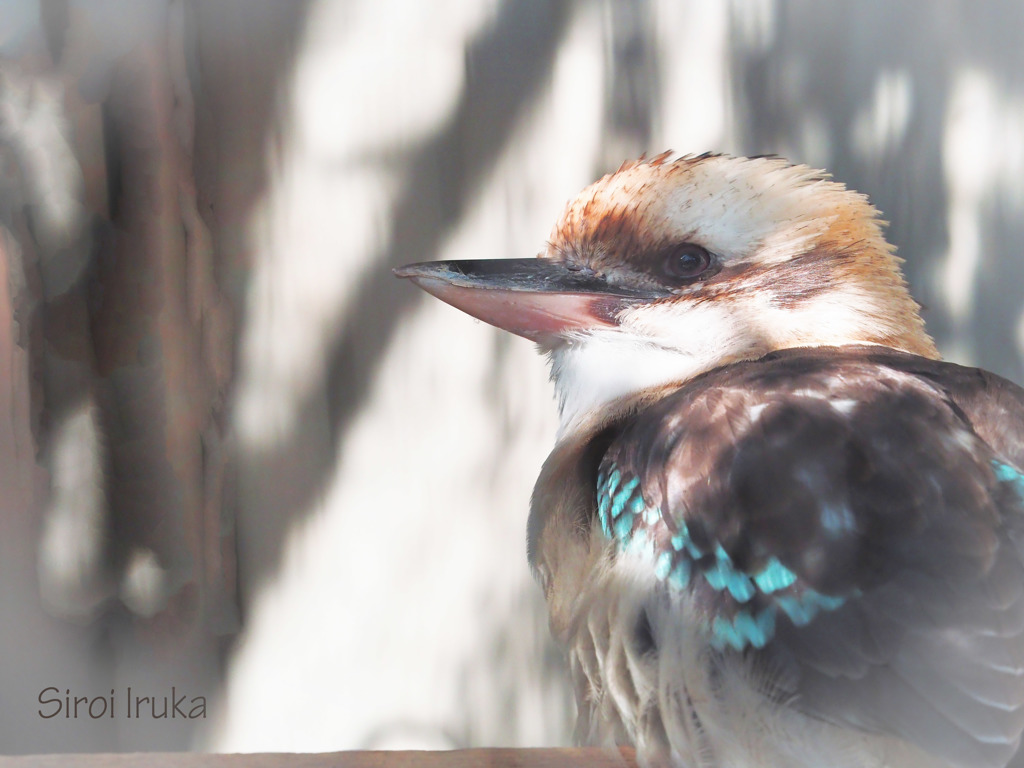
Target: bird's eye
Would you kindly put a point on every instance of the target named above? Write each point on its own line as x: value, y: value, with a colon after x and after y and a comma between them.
x: 686, y: 261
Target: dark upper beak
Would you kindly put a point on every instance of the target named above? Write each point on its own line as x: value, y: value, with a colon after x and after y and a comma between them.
x: 534, y: 298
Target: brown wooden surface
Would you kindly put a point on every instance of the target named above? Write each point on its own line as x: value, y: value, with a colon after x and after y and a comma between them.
x: 463, y: 758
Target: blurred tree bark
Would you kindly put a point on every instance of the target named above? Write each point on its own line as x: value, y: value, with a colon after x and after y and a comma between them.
x: 116, y: 349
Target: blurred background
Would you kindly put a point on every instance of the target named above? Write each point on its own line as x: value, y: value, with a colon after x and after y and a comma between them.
x: 240, y: 460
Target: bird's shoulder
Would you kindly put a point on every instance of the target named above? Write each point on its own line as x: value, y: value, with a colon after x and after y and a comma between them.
x: 818, y: 464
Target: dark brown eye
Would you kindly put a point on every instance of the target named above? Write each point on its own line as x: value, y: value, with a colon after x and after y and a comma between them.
x: 686, y: 261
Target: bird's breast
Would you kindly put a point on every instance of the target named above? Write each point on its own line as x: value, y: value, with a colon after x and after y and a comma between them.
x: 647, y: 673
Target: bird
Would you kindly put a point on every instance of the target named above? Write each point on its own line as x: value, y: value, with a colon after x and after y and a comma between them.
x: 776, y: 528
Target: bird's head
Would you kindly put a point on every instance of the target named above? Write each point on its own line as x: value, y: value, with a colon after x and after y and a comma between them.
x: 666, y: 269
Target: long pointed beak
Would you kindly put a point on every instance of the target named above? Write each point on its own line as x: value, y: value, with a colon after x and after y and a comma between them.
x: 533, y: 298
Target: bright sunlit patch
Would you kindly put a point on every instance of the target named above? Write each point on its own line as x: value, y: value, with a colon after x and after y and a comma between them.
x: 396, y: 77
x: 970, y: 153
x: 882, y: 126
x: 696, y: 103
x: 315, y: 236
x: 144, y: 585
x: 73, y: 538
x: 983, y: 158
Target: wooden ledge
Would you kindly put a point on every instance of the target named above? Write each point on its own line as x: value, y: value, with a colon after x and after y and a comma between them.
x: 462, y: 758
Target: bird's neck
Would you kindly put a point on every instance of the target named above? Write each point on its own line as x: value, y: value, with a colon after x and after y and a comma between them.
x: 599, y: 378
x: 602, y: 375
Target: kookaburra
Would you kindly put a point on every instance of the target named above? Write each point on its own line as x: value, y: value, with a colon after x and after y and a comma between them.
x: 776, y: 530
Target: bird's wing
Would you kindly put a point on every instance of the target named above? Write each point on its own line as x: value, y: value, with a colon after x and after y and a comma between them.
x: 842, y: 519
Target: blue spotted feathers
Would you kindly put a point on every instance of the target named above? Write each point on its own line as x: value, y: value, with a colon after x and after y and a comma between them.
x: 1007, y: 474
x: 750, y: 602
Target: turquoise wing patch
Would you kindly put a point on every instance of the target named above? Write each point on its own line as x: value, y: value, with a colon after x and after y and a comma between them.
x: 745, y: 606
x: 1005, y: 473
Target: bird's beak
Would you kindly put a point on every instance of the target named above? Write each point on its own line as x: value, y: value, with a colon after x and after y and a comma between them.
x: 534, y: 298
